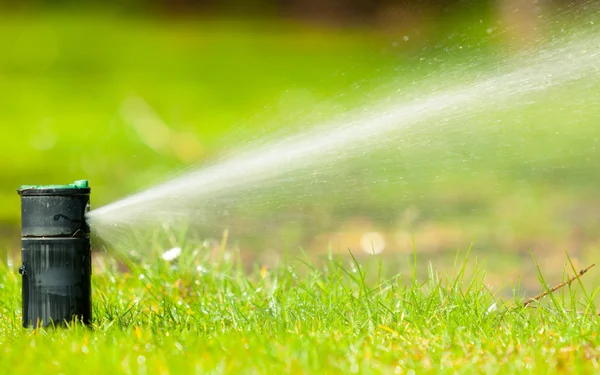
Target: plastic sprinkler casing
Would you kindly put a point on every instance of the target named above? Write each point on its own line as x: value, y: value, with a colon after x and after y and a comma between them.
x: 56, y: 254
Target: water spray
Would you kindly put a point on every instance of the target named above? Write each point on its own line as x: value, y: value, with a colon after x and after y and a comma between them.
x: 56, y: 254
x: 295, y: 158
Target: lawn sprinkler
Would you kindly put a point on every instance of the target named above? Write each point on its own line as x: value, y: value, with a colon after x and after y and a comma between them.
x: 56, y: 254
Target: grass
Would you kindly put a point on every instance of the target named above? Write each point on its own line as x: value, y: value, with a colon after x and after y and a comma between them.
x: 206, y: 315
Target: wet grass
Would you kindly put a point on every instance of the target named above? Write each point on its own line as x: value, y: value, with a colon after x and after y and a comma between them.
x: 204, y: 315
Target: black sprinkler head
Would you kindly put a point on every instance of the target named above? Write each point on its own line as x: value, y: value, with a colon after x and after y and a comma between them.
x: 56, y: 254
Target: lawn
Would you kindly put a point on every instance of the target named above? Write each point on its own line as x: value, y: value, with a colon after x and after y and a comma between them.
x: 208, y: 315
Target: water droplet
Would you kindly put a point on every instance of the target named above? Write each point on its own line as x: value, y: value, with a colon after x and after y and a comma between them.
x: 172, y: 254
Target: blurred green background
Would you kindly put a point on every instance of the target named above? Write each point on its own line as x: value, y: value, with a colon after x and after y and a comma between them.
x: 128, y: 93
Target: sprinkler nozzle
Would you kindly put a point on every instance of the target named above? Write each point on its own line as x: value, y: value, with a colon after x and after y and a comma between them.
x: 56, y: 254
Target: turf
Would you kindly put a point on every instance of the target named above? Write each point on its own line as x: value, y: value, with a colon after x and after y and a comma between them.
x: 205, y: 315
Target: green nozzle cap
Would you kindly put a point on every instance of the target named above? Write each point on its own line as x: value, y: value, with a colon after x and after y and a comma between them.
x: 79, y: 184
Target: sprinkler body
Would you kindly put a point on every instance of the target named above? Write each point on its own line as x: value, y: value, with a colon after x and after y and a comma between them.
x: 56, y: 254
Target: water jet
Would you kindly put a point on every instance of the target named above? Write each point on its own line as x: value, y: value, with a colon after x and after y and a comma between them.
x: 56, y: 254
x: 241, y: 188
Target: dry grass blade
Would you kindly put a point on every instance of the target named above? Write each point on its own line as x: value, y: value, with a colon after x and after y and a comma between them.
x: 557, y: 286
